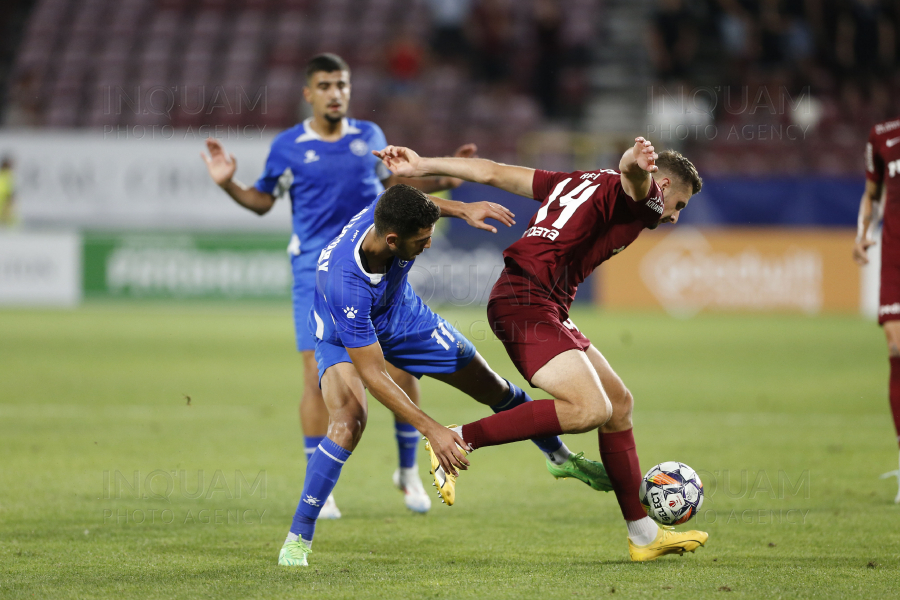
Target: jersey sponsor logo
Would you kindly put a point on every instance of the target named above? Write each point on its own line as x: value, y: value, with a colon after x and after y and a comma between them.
x: 310, y: 156
x: 544, y: 232
x: 892, y: 142
x: 350, y: 311
x: 889, y: 309
x: 359, y: 147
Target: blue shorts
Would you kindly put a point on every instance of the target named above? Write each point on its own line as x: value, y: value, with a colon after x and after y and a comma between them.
x: 426, y: 344
x: 303, y: 292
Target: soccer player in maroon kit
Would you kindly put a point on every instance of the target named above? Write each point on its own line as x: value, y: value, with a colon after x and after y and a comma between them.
x: 585, y: 218
x: 882, y: 181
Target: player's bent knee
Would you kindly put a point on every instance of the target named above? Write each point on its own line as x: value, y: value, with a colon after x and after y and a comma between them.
x: 592, y: 414
x: 346, y: 426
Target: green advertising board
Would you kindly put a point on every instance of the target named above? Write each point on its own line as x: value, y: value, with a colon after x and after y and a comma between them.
x: 184, y: 266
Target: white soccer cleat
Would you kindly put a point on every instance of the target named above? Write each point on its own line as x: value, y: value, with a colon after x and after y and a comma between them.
x: 414, y: 495
x: 897, y: 475
x: 330, y: 509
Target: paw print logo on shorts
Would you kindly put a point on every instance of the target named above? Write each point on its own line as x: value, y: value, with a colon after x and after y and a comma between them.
x: 350, y: 311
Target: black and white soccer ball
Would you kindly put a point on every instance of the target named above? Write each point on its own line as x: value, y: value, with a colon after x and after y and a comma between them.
x: 671, y: 493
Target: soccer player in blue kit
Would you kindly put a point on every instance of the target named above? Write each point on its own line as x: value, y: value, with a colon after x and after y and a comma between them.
x: 326, y: 166
x: 366, y: 313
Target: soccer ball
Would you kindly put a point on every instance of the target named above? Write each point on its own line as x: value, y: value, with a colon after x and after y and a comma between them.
x: 671, y: 493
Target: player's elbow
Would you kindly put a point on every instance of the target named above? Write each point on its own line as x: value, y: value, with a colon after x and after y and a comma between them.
x: 263, y: 207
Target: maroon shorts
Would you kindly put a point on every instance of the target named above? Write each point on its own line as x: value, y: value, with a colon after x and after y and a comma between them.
x: 889, y: 301
x: 532, y: 327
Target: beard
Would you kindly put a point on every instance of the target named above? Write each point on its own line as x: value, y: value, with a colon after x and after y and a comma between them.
x: 333, y: 119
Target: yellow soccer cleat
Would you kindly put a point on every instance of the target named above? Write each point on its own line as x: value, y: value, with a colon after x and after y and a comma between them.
x: 444, y: 482
x: 668, y: 541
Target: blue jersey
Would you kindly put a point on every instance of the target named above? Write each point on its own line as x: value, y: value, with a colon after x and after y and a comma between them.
x: 328, y: 182
x: 352, y: 307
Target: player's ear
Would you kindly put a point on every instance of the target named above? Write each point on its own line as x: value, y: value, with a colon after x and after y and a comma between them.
x: 307, y: 93
x: 392, y: 239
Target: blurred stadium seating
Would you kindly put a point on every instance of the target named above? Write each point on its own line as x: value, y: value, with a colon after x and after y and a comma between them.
x: 435, y: 74
x: 90, y: 63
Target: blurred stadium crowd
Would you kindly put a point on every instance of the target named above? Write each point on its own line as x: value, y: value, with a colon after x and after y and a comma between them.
x: 722, y: 79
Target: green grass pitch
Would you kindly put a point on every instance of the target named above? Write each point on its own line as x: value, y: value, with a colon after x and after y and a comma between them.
x: 112, y: 486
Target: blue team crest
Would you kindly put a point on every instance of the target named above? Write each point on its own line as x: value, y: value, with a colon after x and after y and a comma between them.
x: 359, y: 147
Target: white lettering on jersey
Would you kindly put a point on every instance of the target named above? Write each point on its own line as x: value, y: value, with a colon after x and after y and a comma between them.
x: 892, y: 142
x: 893, y: 167
x: 326, y: 252
x: 889, y: 309
x: 885, y: 127
x: 569, y: 203
x: 593, y: 176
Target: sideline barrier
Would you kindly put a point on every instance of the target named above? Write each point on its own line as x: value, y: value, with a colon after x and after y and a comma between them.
x: 40, y: 268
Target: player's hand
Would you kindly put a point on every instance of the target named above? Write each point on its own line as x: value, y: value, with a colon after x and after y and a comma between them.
x: 476, y: 213
x: 450, y: 449
x: 464, y: 151
x: 221, y: 166
x: 400, y: 161
x: 644, y: 155
x: 860, y: 247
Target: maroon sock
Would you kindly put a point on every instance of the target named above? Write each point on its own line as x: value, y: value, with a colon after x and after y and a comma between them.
x: 895, y: 393
x: 621, y: 461
x: 527, y: 421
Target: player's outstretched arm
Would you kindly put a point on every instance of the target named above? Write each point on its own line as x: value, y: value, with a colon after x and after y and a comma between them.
x: 476, y: 213
x: 636, y: 165
x: 449, y: 447
x: 406, y: 163
x: 430, y: 185
x: 868, y: 217
x: 221, y: 169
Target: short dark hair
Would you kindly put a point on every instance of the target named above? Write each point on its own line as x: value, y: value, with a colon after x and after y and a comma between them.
x: 327, y: 62
x: 675, y: 164
x: 404, y: 210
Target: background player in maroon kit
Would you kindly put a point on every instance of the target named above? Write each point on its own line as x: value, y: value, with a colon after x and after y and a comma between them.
x: 883, y: 181
x: 584, y: 219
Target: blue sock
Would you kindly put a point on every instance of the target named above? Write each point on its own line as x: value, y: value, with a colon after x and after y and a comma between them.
x: 517, y: 397
x: 322, y: 473
x: 407, y: 443
x: 310, y: 443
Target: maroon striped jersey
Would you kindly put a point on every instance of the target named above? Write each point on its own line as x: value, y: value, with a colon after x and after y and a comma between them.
x: 585, y: 218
